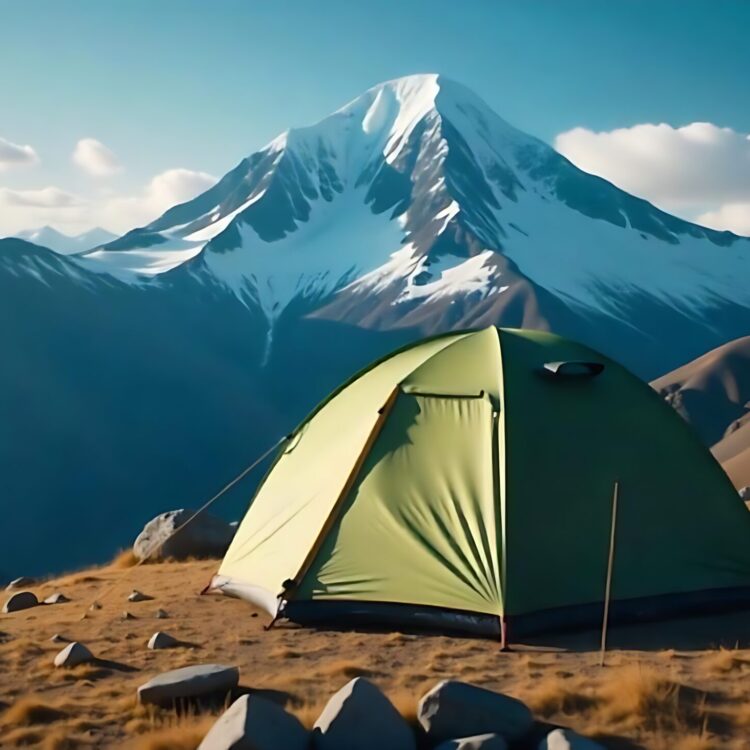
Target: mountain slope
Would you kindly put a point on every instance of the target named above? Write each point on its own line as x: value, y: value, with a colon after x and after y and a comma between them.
x: 712, y: 393
x: 144, y: 373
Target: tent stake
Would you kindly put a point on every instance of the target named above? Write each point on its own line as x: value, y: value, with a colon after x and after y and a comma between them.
x: 610, y: 563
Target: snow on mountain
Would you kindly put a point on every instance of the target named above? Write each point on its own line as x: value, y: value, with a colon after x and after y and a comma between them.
x: 418, y: 186
x: 67, y: 244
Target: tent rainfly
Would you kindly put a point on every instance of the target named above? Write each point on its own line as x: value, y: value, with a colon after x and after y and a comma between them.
x: 465, y: 483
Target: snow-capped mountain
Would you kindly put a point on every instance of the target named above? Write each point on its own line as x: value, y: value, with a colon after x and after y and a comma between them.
x: 65, y: 244
x: 147, y: 370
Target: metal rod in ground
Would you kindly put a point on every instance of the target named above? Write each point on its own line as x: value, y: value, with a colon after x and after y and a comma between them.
x: 610, y: 565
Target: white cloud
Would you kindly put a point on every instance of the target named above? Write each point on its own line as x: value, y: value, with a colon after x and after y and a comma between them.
x: 95, y: 158
x: 165, y: 190
x: 49, y: 197
x: 699, y: 170
x: 116, y: 212
x: 13, y: 154
x: 733, y: 216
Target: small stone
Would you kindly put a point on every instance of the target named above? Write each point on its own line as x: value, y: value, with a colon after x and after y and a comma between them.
x: 255, y: 723
x: 161, y: 614
x: 56, y: 598
x: 138, y: 596
x: 19, y: 601
x: 161, y: 640
x: 20, y: 583
x: 199, y: 681
x: 567, y: 739
x: 457, y: 709
x: 94, y: 606
x: 360, y: 710
x: 73, y: 654
x: 477, y: 742
x: 127, y: 616
x: 57, y: 638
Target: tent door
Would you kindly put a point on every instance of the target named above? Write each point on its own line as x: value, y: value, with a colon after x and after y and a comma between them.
x: 420, y: 523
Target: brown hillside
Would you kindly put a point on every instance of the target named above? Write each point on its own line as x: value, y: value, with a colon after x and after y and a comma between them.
x: 712, y: 393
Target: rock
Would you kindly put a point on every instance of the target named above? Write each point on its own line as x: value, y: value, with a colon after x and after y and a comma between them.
x: 745, y: 494
x: 161, y: 614
x: 204, y: 536
x: 57, y: 638
x: 162, y: 640
x: 73, y: 654
x: 456, y: 709
x: 127, y: 616
x: 139, y: 596
x: 567, y: 739
x: 94, y: 607
x: 56, y: 598
x: 20, y: 583
x: 360, y: 717
x: 477, y: 742
x: 254, y: 723
x: 199, y: 681
x: 19, y: 601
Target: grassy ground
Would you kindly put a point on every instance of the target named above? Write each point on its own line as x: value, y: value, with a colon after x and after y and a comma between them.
x: 683, y: 685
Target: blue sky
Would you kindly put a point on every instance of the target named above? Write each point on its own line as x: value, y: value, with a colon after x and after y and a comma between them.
x: 197, y: 85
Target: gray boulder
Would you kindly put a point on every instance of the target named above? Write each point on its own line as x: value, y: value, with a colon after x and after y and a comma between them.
x: 73, y: 654
x: 254, y: 723
x: 360, y: 717
x: 567, y: 739
x: 478, y: 742
x: 19, y: 601
x: 456, y: 709
x: 204, y: 536
x: 202, y: 680
x: 161, y: 614
x: 161, y: 640
x: 20, y: 583
x: 56, y: 598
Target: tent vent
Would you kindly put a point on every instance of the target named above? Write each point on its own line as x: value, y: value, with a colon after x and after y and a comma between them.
x: 573, y: 369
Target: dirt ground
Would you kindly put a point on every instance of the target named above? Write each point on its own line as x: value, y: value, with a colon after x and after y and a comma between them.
x: 682, y: 685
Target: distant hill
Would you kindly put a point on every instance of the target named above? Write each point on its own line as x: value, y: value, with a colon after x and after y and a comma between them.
x: 67, y: 244
x: 712, y: 393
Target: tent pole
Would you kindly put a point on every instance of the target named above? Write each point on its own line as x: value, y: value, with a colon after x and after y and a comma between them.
x: 610, y: 564
x: 504, y: 634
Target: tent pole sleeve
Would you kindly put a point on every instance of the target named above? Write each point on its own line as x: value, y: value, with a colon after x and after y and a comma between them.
x: 350, y: 480
x: 610, y: 564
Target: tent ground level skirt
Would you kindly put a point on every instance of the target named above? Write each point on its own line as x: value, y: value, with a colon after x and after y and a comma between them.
x: 386, y: 615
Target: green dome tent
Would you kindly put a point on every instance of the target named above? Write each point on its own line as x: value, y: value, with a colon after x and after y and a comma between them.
x: 466, y: 482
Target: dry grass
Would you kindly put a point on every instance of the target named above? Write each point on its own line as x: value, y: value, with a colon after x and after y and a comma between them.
x: 338, y: 669
x: 182, y: 734
x: 721, y: 662
x: 559, y: 696
x: 645, y: 698
x: 30, y: 710
x: 124, y: 559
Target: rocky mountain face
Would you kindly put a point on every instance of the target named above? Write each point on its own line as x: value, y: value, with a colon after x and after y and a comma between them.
x: 147, y: 371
